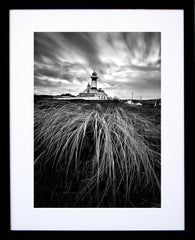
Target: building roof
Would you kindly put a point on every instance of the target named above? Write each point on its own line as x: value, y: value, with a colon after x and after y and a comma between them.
x: 97, y: 91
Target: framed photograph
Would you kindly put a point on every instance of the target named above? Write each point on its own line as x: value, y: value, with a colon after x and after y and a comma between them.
x: 97, y: 119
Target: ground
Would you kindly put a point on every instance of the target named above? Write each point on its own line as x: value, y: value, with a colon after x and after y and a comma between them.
x: 96, y: 154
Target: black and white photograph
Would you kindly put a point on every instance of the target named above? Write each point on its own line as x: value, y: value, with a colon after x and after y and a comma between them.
x: 97, y: 119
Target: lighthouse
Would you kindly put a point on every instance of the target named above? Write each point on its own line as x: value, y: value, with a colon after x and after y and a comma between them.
x: 94, y: 78
x: 92, y: 92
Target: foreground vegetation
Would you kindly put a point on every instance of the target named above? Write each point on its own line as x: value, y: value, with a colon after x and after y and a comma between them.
x: 92, y: 154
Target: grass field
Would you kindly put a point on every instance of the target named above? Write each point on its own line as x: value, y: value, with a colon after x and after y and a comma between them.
x: 96, y: 154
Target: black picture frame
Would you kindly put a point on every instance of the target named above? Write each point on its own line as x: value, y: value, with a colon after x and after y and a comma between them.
x: 189, y: 74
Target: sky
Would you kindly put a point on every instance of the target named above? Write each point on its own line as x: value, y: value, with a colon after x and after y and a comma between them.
x: 126, y: 63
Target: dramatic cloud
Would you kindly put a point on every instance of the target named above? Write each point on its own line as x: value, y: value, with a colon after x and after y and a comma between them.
x: 125, y: 62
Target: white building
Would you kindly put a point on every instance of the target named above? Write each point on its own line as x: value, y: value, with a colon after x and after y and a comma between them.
x: 92, y: 92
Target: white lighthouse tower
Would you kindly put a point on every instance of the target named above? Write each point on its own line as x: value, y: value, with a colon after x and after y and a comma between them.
x: 92, y: 92
x: 94, y: 78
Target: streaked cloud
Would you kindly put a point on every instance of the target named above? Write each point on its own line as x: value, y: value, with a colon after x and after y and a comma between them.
x: 125, y: 62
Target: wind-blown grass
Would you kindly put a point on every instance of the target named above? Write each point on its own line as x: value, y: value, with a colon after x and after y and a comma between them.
x: 95, y: 157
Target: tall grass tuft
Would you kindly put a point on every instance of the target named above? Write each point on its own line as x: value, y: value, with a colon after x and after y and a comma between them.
x: 95, y: 157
